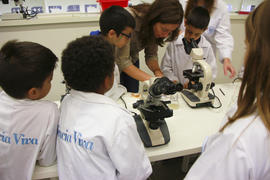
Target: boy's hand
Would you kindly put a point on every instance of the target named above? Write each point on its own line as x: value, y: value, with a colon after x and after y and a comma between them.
x: 227, y: 66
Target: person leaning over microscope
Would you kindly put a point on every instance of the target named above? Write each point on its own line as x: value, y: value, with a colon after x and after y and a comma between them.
x: 116, y: 25
x: 155, y: 23
x: 218, y: 32
x: 176, y: 59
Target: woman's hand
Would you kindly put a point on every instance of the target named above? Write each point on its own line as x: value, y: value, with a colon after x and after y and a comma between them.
x: 154, y: 67
x: 158, y: 73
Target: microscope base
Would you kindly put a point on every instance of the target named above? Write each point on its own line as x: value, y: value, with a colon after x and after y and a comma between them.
x: 151, y: 137
x: 195, y: 102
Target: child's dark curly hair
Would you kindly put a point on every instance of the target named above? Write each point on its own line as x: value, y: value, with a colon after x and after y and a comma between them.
x: 86, y: 62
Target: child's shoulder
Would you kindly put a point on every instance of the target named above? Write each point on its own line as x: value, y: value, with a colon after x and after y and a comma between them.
x: 26, y: 103
x: 46, y: 111
x: 117, y: 114
x: 117, y: 111
x: 205, y: 43
x: 45, y: 106
x: 245, y: 129
x: 46, y: 103
x: 180, y: 37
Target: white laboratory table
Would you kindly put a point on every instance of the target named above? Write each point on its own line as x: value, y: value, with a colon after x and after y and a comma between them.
x: 188, y: 127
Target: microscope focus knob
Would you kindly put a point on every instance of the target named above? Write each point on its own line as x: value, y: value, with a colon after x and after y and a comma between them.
x: 137, y: 104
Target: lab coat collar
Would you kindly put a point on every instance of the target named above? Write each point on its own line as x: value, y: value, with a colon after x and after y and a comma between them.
x: 201, y: 44
x: 15, y: 101
x: 92, y: 97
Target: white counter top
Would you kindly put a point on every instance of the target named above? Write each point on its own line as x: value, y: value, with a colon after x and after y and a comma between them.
x: 43, y: 19
x: 236, y: 16
x: 188, y: 128
x: 53, y: 19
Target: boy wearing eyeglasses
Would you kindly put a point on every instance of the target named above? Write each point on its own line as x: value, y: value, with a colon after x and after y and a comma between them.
x: 116, y: 25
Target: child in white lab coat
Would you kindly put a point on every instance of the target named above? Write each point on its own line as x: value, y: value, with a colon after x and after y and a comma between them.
x: 241, y: 149
x: 116, y: 25
x: 96, y: 138
x: 27, y: 124
x: 176, y: 59
x: 218, y: 32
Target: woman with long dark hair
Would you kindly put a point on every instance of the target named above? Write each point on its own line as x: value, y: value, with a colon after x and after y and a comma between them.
x: 155, y: 23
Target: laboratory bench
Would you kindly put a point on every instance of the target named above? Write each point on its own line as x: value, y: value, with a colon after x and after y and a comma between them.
x: 188, y: 127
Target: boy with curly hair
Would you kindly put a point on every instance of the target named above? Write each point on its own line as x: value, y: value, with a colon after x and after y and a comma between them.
x: 97, y: 139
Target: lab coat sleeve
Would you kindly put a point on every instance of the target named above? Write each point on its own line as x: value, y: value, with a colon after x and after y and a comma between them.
x: 223, y: 38
x: 128, y: 155
x: 211, y: 60
x: 47, y: 154
x: 166, y: 64
x: 223, y: 159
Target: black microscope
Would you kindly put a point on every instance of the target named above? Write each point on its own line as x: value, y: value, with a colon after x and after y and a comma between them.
x: 151, y: 125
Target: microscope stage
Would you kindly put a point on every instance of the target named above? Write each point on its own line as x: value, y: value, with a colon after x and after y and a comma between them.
x: 193, y: 101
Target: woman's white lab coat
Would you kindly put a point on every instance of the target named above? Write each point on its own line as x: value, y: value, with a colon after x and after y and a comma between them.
x: 218, y: 32
x: 97, y: 139
x: 241, y: 151
x: 176, y: 60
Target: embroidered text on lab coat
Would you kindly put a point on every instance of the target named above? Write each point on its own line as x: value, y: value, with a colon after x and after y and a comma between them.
x: 19, y: 139
x: 75, y: 137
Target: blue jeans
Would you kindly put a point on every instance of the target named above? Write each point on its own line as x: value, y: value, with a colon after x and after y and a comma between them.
x: 130, y: 83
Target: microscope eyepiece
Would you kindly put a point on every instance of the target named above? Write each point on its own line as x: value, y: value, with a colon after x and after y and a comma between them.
x: 179, y: 87
x: 164, y: 86
x: 188, y: 46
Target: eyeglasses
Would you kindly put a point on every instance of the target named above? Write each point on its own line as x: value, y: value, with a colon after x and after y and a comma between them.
x: 127, y: 35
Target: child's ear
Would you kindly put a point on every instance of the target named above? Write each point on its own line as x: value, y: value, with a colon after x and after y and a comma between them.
x: 33, y: 94
x: 111, y: 33
x: 185, y: 21
x: 108, y: 82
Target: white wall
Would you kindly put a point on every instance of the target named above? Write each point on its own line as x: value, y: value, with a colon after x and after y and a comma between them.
x: 241, y: 5
x: 43, y: 5
x: 55, y: 37
x: 233, y: 5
